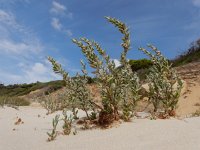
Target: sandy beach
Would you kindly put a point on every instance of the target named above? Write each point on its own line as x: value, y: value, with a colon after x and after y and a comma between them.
x: 140, y: 134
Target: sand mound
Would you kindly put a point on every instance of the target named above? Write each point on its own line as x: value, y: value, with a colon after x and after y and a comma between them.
x: 140, y: 134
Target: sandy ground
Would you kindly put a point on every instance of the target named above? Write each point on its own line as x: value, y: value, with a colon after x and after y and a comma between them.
x: 140, y: 134
x: 189, y: 102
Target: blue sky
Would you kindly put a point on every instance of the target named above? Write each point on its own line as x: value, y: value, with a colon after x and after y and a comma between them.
x: 31, y: 30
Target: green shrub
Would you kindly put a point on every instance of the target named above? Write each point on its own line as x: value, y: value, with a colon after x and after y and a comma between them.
x: 142, y: 67
x: 140, y: 64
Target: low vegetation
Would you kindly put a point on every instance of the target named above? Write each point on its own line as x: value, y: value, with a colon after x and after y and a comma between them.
x: 196, y: 113
x: 13, y: 101
x: 10, y: 95
x: 192, y: 54
x: 119, y: 87
x: 140, y: 64
x: 23, y: 89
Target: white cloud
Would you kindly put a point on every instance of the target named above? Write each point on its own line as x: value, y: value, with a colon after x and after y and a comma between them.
x: 26, y: 42
x: 7, y: 19
x: 55, y: 22
x: 12, y: 2
x: 11, y: 47
x: 39, y: 68
x: 4, y: 16
x: 68, y: 32
x: 30, y: 73
x: 117, y: 62
x: 24, y: 50
x: 57, y: 8
x: 39, y: 72
x: 19, y: 48
x: 57, y: 25
x: 61, y: 10
x: 196, y: 3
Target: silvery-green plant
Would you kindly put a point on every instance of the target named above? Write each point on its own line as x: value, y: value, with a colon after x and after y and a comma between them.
x: 78, y: 94
x: 127, y: 113
x: 49, y: 104
x: 53, y: 133
x: 164, y: 83
x: 2, y: 101
x: 67, y: 125
x: 117, y: 86
x: 55, y: 102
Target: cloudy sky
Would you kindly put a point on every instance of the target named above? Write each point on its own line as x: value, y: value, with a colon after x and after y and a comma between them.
x: 31, y: 30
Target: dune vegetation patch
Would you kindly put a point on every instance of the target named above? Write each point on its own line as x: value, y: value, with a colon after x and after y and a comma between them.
x: 13, y: 101
x: 120, y: 87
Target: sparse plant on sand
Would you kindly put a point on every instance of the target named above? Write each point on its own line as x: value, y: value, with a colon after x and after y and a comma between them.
x: 67, y: 125
x: 50, y: 104
x: 13, y: 101
x: 2, y: 101
x: 78, y: 94
x: 196, y: 113
x: 53, y: 134
x: 126, y: 112
x: 164, y: 83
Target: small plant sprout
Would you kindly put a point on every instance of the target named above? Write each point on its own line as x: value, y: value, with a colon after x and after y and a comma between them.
x: 53, y: 133
x: 67, y: 125
x: 126, y: 112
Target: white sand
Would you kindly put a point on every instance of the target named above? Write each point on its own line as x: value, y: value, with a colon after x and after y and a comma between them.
x: 138, y: 135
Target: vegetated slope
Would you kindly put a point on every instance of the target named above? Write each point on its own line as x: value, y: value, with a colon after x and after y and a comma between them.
x: 190, y: 55
x: 24, y: 89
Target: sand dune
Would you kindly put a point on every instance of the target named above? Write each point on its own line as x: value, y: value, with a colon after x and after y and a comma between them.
x: 140, y: 134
